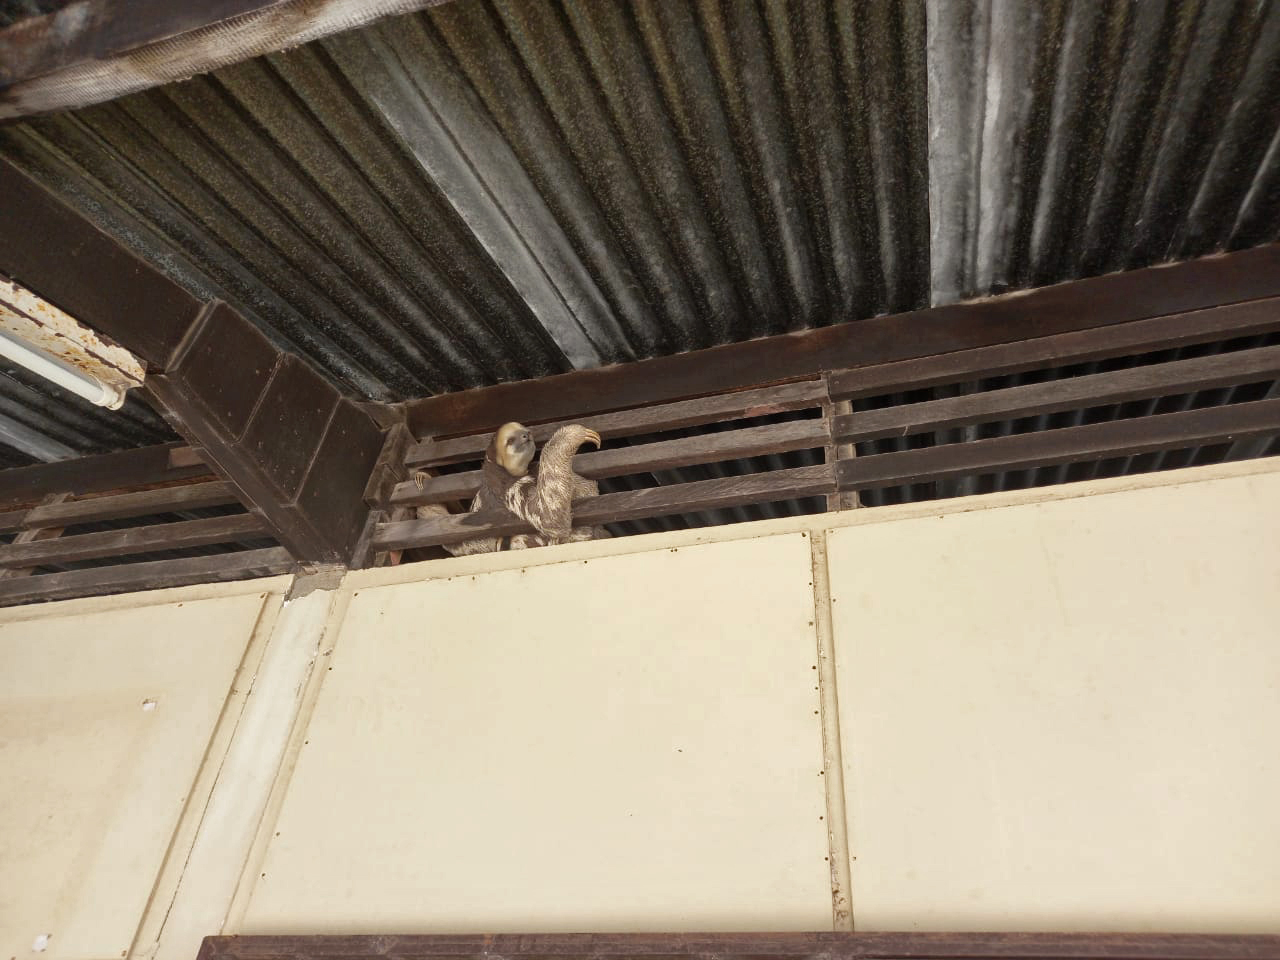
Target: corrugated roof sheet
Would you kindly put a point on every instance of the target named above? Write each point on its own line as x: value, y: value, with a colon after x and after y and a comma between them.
x: 489, y: 191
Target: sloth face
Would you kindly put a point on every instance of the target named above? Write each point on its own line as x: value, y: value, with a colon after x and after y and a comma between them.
x: 515, y: 448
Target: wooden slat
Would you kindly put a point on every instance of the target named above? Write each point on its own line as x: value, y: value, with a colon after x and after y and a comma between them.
x: 1167, y: 431
x: 646, y: 457
x: 109, y: 543
x: 610, y: 507
x: 298, y: 450
x: 389, y: 468
x: 1081, y: 346
x: 33, y: 534
x: 1079, y: 305
x: 97, y: 474
x: 145, y: 503
x: 749, y: 946
x: 629, y: 423
x: 151, y: 575
x: 1135, y: 383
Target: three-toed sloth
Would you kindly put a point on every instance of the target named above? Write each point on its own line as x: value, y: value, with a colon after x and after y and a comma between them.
x: 542, y: 497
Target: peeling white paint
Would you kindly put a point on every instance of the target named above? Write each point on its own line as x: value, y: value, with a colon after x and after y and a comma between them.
x: 37, y: 325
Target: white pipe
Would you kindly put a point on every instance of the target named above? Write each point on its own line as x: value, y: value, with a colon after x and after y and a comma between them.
x: 65, y: 376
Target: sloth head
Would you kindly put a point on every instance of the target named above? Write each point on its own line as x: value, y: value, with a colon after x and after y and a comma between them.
x: 513, y: 448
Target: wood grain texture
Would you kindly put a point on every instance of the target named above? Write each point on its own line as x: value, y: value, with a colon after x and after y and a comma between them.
x: 145, y: 503
x: 775, y: 946
x: 1124, y: 339
x: 642, y: 458
x: 1134, y: 383
x: 118, y: 543
x: 151, y: 575
x: 98, y: 474
x: 1166, y: 431
x: 611, y: 507
x: 653, y: 419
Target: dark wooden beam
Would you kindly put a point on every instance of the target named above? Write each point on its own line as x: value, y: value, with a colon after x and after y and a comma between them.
x: 153, y: 538
x: 150, y: 575
x: 1209, y: 325
x: 1118, y: 386
x: 1119, y: 438
x: 146, y: 503
x: 662, y: 501
x: 1082, y: 304
x: 298, y: 451
x: 750, y: 946
x: 163, y: 463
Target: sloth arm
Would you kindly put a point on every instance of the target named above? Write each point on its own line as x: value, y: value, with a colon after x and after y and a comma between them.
x: 546, y: 501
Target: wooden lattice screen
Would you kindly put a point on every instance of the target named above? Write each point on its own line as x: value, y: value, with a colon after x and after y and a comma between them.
x: 60, y: 518
x: 832, y: 431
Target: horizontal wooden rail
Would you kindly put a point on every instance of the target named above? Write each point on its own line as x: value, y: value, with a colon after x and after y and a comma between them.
x: 145, y: 503
x: 1120, y: 438
x: 642, y: 458
x: 630, y: 423
x: 615, y: 507
x: 1080, y: 346
x: 148, y: 539
x: 161, y: 463
x: 749, y: 946
x: 151, y: 575
x: 1118, y: 386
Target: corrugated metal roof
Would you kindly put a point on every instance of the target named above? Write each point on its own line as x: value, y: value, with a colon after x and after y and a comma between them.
x: 11, y: 11
x: 490, y: 191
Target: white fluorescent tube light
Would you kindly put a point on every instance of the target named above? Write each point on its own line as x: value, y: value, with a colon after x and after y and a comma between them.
x: 38, y: 336
x: 64, y: 375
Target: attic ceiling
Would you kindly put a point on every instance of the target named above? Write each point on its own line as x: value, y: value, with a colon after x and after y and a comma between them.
x: 487, y: 191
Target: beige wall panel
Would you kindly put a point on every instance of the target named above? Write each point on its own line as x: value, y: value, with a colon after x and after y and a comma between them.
x: 1065, y: 716
x: 630, y: 743
x: 95, y: 783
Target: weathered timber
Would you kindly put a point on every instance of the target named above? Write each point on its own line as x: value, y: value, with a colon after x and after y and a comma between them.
x: 1166, y: 431
x: 1080, y: 346
x: 117, y: 543
x: 362, y: 554
x: 389, y: 469
x: 610, y: 507
x: 195, y: 496
x: 750, y: 946
x: 741, y: 404
x: 151, y: 575
x: 1134, y: 383
x: 95, y: 474
x: 299, y: 451
x: 1078, y: 305
x: 31, y: 535
x: 642, y: 458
